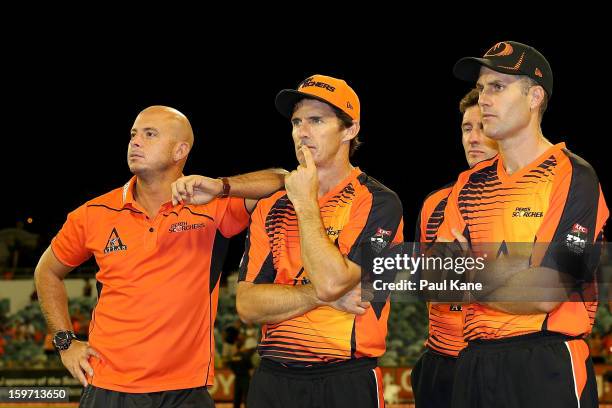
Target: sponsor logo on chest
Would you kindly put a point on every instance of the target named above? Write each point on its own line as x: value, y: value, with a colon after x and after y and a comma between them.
x: 525, y: 212
x: 184, y: 226
x: 114, y: 243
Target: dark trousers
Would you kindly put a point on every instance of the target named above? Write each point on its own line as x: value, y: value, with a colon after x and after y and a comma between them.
x: 432, y: 380
x: 353, y: 384
x: 530, y: 371
x: 94, y: 397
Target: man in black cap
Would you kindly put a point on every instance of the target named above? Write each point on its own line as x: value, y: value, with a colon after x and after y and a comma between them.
x: 525, y: 353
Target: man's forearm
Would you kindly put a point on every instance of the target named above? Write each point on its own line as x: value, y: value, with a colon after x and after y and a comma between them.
x: 53, y: 301
x: 48, y: 278
x: 523, y: 308
x: 273, y: 303
x: 326, y: 267
x: 257, y: 184
x: 531, y: 291
x: 535, y: 284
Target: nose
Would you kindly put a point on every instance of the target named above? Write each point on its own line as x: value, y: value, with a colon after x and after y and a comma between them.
x: 474, y: 137
x: 136, y: 140
x: 483, y: 99
x: 301, y: 133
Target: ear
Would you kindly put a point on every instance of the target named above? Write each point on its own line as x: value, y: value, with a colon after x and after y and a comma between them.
x: 537, y: 97
x: 351, y: 132
x: 181, y: 150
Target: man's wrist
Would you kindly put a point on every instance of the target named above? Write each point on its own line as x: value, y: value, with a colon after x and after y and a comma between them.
x: 63, y: 339
x: 309, y: 290
x: 224, y: 187
x: 307, y: 207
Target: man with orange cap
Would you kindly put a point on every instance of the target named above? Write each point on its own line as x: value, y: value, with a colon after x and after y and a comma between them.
x: 300, y: 274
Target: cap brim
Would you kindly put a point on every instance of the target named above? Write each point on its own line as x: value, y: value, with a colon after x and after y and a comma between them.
x: 287, y: 98
x: 468, y: 68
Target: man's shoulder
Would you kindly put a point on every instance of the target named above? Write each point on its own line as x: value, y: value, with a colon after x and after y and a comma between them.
x: 113, y: 199
x: 571, y: 163
x: 100, y: 206
x: 438, y: 194
x: 367, y: 183
x: 371, y: 188
x: 483, y: 171
x: 266, y: 203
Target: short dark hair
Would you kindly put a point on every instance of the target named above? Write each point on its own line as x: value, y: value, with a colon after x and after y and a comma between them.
x: 470, y: 99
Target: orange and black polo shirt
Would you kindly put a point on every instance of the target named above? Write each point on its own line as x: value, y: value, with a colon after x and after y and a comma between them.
x: 357, y: 211
x: 445, y: 320
x: 158, y: 286
x: 555, y: 199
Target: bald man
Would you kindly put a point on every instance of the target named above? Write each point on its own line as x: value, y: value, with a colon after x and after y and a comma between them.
x: 150, y: 337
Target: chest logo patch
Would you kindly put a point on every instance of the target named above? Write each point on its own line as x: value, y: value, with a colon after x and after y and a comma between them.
x: 114, y: 243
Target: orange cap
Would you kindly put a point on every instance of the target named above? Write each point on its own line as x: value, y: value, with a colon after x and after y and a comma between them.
x: 327, y: 89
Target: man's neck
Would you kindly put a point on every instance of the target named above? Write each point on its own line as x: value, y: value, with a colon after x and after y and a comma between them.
x: 522, y: 149
x: 330, y: 177
x: 151, y: 192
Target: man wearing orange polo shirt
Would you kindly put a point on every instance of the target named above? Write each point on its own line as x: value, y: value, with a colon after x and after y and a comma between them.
x: 150, y: 340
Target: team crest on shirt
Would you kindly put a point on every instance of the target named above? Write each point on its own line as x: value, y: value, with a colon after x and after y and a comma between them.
x: 183, y: 226
x: 114, y: 243
x: 525, y: 212
x: 380, y: 240
x: 576, y: 239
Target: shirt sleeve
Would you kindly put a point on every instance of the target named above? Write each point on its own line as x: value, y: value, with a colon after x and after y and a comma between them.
x: 452, y: 216
x: 432, y: 214
x: 573, y: 222
x: 232, y: 215
x: 375, y: 219
x: 257, y: 263
x: 70, y: 243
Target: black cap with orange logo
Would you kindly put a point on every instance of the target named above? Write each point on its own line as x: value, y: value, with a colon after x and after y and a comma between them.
x: 508, y: 57
x: 327, y: 89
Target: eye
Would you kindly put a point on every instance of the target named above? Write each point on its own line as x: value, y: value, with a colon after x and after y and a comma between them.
x: 150, y: 134
x: 498, y: 87
x: 295, y: 122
